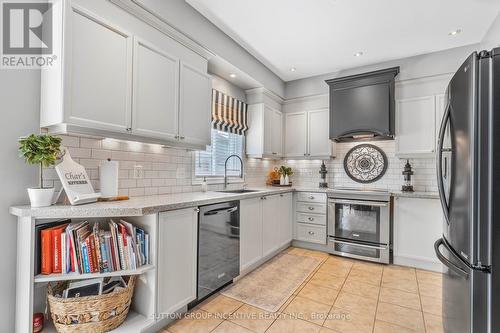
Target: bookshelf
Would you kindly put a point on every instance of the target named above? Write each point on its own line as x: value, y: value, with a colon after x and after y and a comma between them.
x: 31, y: 289
x: 40, y: 278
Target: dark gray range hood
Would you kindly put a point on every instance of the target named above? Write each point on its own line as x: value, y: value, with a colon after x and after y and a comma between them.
x: 362, y: 106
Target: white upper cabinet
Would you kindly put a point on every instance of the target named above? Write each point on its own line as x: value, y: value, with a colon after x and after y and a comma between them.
x: 156, y: 77
x: 307, y: 135
x: 112, y: 82
x: 194, y: 111
x: 265, y: 132
x: 318, y: 134
x: 296, y: 135
x: 99, y: 74
x: 416, y: 127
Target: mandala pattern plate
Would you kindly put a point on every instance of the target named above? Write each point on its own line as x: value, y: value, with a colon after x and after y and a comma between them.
x: 365, y: 163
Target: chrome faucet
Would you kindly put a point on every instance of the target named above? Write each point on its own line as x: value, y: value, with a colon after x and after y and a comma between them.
x: 225, y: 169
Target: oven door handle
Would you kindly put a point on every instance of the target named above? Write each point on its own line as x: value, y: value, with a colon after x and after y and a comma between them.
x: 357, y: 202
x: 360, y: 245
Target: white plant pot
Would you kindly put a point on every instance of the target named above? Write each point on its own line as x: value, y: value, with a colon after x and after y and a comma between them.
x: 42, y: 197
x: 282, y: 180
x: 287, y: 180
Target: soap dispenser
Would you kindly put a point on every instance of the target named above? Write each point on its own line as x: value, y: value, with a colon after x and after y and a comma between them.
x: 204, y: 185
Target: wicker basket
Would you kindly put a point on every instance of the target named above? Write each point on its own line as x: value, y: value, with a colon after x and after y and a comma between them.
x: 91, y: 314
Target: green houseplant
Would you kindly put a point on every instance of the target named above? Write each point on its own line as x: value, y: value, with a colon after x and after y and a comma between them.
x: 286, y: 173
x: 42, y: 150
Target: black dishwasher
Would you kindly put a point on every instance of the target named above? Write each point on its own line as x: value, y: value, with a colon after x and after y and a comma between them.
x: 218, y: 247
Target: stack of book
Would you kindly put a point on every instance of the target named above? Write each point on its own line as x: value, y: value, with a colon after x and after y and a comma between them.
x: 84, y: 248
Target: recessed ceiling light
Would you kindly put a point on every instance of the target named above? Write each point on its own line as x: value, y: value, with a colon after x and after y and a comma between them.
x: 358, y: 54
x: 293, y: 69
x: 232, y: 75
x: 455, y: 32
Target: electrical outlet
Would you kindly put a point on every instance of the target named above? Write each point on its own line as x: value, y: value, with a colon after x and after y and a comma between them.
x: 138, y: 172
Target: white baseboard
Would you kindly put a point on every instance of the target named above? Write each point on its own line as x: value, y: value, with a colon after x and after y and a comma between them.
x: 418, y: 262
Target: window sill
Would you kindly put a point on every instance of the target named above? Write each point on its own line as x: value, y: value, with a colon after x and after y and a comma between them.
x: 218, y: 180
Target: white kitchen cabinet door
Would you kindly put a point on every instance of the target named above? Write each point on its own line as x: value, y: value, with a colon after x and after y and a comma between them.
x: 273, y: 131
x: 416, y: 127
x: 296, y: 135
x: 319, y: 133
x: 156, y: 92
x: 277, y: 133
x: 271, y: 224
x: 195, y: 106
x: 99, y: 68
x: 418, y: 223
x: 285, y: 216
x: 250, y: 232
x: 177, y: 259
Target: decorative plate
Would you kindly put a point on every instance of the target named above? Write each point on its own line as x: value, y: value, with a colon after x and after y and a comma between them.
x: 365, y: 163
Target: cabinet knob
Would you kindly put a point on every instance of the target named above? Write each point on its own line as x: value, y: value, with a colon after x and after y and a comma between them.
x: 311, y: 219
x: 176, y: 137
x: 311, y: 208
x: 311, y: 197
x: 129, y: 129
x: 311, y: 232
x: 182, y: 137
x: 197, y: 210
x: 263, y: 198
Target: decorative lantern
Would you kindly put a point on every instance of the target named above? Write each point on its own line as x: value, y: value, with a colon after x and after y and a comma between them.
x: 323, y: 172
x: 407, y: 173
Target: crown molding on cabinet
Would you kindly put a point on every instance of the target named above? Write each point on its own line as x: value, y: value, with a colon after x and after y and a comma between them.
x: 304, y: 98
x: 265, y: 92
x: 149, y: 17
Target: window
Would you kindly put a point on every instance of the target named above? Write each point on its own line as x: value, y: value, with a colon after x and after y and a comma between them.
x: 210, y: 163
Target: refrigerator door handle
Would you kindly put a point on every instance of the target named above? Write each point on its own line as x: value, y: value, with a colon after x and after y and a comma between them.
x: 440, y: 150
x: 447, y: 262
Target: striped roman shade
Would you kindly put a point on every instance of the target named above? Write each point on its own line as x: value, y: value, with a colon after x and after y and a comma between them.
x: 228, y: 113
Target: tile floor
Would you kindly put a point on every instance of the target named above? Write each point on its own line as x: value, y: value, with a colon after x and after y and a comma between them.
x: 341, y: 295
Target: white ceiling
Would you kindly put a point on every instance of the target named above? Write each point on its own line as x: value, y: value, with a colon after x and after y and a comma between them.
x: 322, y: 36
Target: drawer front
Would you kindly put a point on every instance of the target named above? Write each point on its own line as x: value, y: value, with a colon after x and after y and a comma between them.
x: 314, y: 208
x: 312, y: 197
x: 311, y: 218
x: 311, y: 233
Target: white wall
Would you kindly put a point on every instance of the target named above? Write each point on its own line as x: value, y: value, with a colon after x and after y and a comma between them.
x: 414, y: 67
x: 20, y: 98
x: 492, y: 37
x: 228, y: 88
x: 185, y: 18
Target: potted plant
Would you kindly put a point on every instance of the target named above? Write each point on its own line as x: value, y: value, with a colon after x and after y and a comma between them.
x: 286, y: 173
x: 42, y: 150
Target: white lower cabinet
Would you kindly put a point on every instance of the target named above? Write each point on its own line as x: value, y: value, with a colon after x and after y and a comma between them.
x: 310, y: 217
x: 418, y: 223
x: 250, y: 232
x: 177, y: 259
x: 265, y: 227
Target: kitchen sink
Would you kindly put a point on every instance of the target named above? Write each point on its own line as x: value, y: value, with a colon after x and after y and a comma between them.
x: 238, y: 191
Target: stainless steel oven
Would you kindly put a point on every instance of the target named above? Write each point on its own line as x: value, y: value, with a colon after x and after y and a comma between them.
x: 360, y: 224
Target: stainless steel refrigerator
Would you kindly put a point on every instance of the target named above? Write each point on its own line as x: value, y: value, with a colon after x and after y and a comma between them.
x: 468, y: 181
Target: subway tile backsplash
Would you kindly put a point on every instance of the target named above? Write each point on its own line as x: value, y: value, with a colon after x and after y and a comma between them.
x: 169, y: 170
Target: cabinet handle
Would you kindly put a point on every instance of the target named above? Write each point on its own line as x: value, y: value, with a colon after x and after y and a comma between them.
x: 311, y: 208
x: 311, y: 232
x: 263, y: 198
x: 197, y: 210
x: 176, y: 137
x: 311, y: 197
x: 311, y: 219
x: 129, y: 129
x: 183, y: 137
x: 281, y: 195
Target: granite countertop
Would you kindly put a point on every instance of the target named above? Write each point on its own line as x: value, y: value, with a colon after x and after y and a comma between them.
x: 139, y: 206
